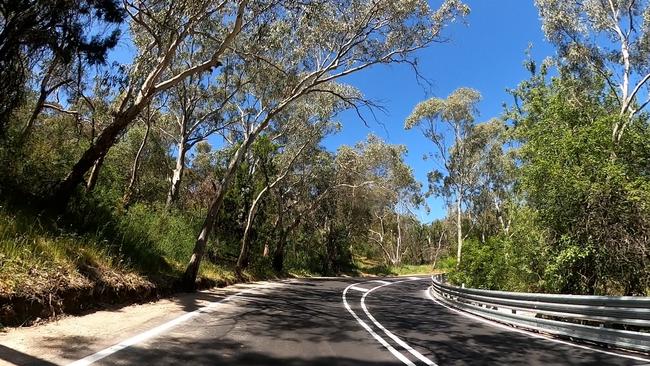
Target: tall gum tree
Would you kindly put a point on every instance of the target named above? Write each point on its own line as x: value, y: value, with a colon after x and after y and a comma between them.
x: 312, y: 196
x: 610, y: 38
x: 448, y: 124
x: 390, y: 196
x: 159, y: 29
x: 298, y: 134
x: 306, y: 47
x: 494, y: 191
x: 196, y: 105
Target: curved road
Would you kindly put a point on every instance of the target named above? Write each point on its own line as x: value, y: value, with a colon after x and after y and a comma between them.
x: 389, y: 321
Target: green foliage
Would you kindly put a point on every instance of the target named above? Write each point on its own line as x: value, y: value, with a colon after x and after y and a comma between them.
x: 563, y: 269
x: 91, y: 156
x: 167, y: 232
x: 447, y: 264
x: 512, y: 262
x: 581, y: 224
x: 554, y: 196
x: 53, y: 31
x: 368, y: 266
x: 40, y: 254
x: 154, y: 164
x: 590, y: 194
x: 30, y: 168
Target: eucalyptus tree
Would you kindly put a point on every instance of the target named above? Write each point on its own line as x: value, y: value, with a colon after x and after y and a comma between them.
x: 438, y: 228
x: 327, y: 202
x: 301, y: 197
x: 36, y: 30
x: 196, y: 105
x: 589, y: 211
x: 490, y: 198
x: 297, y: 134
x: 448, y: 123
x: 389, y: 197
x: 159, y: 29
x: 306, y: 48
x: 611, y: 38
x: 64, y: 83
x: 418, y: 238
x: 131, y: 186
x: 320, y: 206
x: 203, y: 172
x: 54, y: 74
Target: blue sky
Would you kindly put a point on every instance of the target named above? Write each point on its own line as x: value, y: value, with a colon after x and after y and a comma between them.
x: 486, y: 54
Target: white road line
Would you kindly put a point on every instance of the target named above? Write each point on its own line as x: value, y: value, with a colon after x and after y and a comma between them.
x: 382, y: 281
x: 528, y: 333
x: 365, y: 326
x: 415, y: 353
x: 359, y: 288
x: 162, y: 328
x: 386, y: 331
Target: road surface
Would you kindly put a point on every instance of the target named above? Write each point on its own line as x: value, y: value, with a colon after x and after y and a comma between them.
x: 388, y: 321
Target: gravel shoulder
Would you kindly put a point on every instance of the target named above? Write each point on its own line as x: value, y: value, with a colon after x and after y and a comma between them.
x: 73, y: 337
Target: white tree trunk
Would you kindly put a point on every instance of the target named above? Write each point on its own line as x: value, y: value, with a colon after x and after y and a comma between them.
x: 126, y: 199
x: 192, y: 269
x: 94, y: 174
x: 435, y: 258
x: 265, y: 253
x: 242, y: 260
x: 459, y: 228
x: 177, y: 175
x: 398, y: 252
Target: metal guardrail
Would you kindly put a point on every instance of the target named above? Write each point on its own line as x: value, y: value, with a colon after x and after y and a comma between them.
x: 622, y: 322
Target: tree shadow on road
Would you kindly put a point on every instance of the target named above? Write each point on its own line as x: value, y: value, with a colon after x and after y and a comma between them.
x: 18, y: 358
x: 227, y: 353
x: 283, y: 326
x: 453, y: 339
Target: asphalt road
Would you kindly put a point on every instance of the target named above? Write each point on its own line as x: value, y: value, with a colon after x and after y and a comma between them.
x: 335, y: 322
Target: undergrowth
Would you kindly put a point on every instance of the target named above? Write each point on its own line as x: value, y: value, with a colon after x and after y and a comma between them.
x: 368, y: 266
x: 40, y: 253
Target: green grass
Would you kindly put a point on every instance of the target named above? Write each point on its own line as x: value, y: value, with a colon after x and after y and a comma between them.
x: 369, y: 267
x: 144, y: 247
x: 409, y: 269
x: 93, y: 249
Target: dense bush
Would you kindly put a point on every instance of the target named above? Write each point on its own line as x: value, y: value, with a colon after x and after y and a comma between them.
x: 583, y: 222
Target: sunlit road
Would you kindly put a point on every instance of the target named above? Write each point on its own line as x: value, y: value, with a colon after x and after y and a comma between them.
x: 390, y: 321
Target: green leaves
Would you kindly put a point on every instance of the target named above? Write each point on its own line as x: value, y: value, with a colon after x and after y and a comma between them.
x: 585, y: 189
x: 459, y: 106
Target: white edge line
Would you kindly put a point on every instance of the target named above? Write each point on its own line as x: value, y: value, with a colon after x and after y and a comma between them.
x: 365, y: 326
x: 139, y: 338
x: 415, y: 353
x: 528, y: 333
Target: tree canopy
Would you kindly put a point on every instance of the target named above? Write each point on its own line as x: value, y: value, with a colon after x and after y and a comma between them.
x: 205, y: 153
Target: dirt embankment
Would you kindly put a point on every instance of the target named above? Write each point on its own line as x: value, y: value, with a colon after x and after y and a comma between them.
x: 48, y: 295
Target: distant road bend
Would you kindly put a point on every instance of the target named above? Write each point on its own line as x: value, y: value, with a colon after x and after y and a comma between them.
x: 335, y: 321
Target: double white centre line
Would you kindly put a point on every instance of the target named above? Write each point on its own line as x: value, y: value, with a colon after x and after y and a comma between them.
x: 388, y: 333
